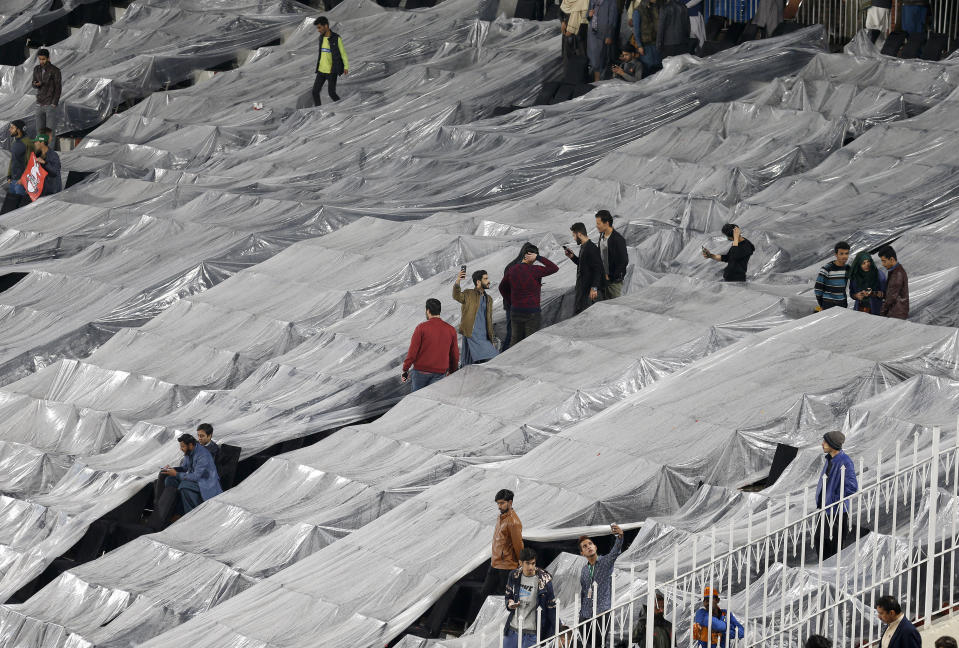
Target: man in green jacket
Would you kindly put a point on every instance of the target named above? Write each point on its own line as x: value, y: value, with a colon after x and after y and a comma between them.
x: 332, y: 61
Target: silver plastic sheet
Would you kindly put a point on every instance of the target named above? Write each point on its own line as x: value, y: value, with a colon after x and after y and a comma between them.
x: 155, y: 43
x: 588, y: 426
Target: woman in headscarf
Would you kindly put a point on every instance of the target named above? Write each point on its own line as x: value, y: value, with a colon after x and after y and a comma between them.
x: 603, y: 18
x: 867, y: 284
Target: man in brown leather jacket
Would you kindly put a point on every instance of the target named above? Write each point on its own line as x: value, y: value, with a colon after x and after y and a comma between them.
x: 507, y: 543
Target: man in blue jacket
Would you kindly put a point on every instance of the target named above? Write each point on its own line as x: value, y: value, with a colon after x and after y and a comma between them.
x: 195, y: 479
x: 529, y: 589
x: 712, y: 631
x: 836, y: 481
x: 899, y: 631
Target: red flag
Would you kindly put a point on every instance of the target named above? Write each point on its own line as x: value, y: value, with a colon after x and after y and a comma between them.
x: 33, y: 178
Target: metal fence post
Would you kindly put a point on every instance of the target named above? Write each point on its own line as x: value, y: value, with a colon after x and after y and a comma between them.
x: 933, y: 515
x: 650, y: 601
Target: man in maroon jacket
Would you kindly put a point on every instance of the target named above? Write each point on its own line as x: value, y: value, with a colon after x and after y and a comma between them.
x: 896, y: 300
x: 521, y: 286
x: 434, y: 351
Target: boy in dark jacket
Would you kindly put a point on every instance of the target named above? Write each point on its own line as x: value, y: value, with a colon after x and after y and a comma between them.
x: 836, y: 482
x: 529, y: 590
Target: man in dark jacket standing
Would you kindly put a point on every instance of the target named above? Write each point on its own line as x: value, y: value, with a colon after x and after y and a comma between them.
x: 737, y: 258
x: 21, y: 147
x: 476, y: 319
x: 899, y: 632
x: 332, y: 61
x: 673, y: 34
x: 522, y: 286
x: 612, y: 252
x: 896, y: 300
x: 531, y: 603
x: 589, y: 269
x: 46, y: 79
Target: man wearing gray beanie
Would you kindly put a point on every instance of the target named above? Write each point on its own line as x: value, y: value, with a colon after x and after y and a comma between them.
x: 837, y: 481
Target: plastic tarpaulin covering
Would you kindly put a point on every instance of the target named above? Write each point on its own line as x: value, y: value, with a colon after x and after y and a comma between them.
x: 155, y: 43
x: 20, y: 17
x: 310, y: 337
x: 318, y: 347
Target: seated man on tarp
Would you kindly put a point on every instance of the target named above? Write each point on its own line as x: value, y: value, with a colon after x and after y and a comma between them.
x: 186, y: 486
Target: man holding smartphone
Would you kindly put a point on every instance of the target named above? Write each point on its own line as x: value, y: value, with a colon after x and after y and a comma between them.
x: 476, y: 318
x: 589, y: 269
x: 531, y: 603
x: 737, y: 257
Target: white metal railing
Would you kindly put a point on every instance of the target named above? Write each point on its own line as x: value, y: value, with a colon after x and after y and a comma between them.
x: 844, y: 18
x: 785, y: 585
x: 841, y: 18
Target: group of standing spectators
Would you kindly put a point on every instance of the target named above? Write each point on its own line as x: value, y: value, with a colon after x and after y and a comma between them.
x: 879, y: 289
x: 21, y: 180
x: 659, y: 28
x: 434, y: 349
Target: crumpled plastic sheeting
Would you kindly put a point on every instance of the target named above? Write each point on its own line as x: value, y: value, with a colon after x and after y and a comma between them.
x: 155, y: 43
x: 904, y: 413
x: 323, y: 492
x: 20, y: 17
x: 593, y: 471
x: 355, y: 328
x: 337, y: 376
x: 124, y: 265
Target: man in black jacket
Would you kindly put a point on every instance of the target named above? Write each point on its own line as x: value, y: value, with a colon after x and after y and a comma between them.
x: 613, y: 254
x: 737, y: 258
x: 589, y: 269
x: 21, y: 147
x: 331, y: 62
x: 899, y: 631
x: 673, y: 34
x: 46, y: 79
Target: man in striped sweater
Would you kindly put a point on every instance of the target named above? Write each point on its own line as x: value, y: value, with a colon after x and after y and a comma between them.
x: 833, y: 279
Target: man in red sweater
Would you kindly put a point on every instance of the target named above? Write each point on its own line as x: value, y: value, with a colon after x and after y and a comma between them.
x: 434, y: 350
x: 521, y: 287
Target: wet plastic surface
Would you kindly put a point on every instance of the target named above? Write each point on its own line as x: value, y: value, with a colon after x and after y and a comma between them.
x: 289, y: 258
